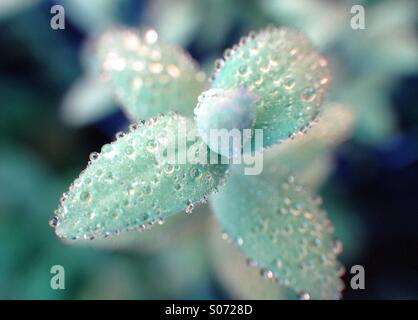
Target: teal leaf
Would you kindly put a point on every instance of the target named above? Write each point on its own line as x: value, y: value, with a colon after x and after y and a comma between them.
x: 333, y: 126
x: 149, y: 76
x: 229, y: 112
x: 282, y: 229
x: 285, y: 71
x: 87, y: 101
x: 226, y: 258
x: 129, y: 185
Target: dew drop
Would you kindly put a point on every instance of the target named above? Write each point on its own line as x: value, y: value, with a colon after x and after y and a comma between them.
x: 189, y: 206
x: 289, y: 83
x: 85, y: 196
x: 91, y: 215
x: 53, y: 222
x: 267, y: 274
x: 308, y: 94
x: 129, y: 150
x: 151, y: 146
x: 304, y: 296
x: 94, y: 156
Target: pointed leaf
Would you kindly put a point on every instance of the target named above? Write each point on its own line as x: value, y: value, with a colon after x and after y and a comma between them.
x: 129, y: 185
x: 283, y: 69
x: 282, y: 229
x: 148, y: 75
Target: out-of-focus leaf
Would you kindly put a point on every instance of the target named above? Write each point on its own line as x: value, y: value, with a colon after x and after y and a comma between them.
x: 88, y: 100
x: 10, y: 7
x: 94, y: 15
x: 235, y: 275
x: 149, y: 76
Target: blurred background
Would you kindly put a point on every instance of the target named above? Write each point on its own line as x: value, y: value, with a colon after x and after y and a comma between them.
x: 53, y: 115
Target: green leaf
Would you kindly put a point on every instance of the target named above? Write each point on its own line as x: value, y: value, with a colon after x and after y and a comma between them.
x: 149, y: 76
x: 242, y: 281
x: 87, y: 101
x: 283, y: 230
x: 130, y: 185
x: 288, y: 75
x: 333, y: 126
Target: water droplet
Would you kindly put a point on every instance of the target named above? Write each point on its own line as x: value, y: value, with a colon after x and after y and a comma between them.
x: 243, y: 70
x: 169, y: 169
x: 106, y: 148
x: 53, y: 222
x: 173, y: 70
x: 119, y: 135
x: 219, y: 64
x: 151, y: 146
x: 308, y: 94
x: 304, y: 296
x: 91, y: 215
x: 289, y: 83
x: 337, y: 246
x: 94, y: 156
x: 85, y: 196
x: 129, y: 150
x: 151, y: 36
x: 267, y: 274
x: 227, y: 53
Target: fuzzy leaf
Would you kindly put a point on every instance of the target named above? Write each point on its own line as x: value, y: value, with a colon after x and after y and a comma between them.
x: 283, y: 230
x: 130, y: 185
x: 148, y: 75
x: 287, y: 74
x: 332, y: 127
x: 244, y: 282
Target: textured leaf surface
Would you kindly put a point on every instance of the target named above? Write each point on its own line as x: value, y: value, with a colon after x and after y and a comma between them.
x: 129, y: 185
x: 148, y: 75
x: 332, y: 127
x: 282, y: 229
x: 231, y: 110
x: 239, y: 279
x: 288, y: 75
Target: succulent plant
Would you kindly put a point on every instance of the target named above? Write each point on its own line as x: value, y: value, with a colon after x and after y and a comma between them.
x: 274, y: 80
